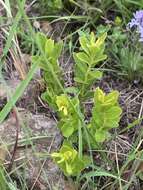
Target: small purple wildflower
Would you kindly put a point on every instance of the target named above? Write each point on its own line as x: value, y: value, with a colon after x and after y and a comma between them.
x: 137, y: 22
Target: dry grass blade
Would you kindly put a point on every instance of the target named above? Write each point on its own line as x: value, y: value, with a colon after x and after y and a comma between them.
x: 20, y: 67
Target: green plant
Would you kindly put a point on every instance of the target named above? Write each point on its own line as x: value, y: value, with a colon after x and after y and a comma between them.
x: 68, y: 101
x: 105, y: 114
x: 131, y: 62
x: 92, y: 52
x: 125, y: 58
x: 68, y: 160
x: 117, y: 38
x: 48, y: 58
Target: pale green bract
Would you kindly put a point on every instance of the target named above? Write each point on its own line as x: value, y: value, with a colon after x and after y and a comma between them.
x: 69, y: 120
x: 68, y: 160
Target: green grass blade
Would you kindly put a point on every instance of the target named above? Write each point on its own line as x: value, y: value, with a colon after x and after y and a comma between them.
x: 100, y: 174
x: 18, y: 93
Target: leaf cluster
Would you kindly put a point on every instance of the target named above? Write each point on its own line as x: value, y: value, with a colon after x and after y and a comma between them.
x: 105, y: 114
x: 48, y: 61
x: 92, y: 52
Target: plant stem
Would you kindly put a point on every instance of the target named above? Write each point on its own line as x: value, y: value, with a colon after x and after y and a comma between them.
x: 85, y: 81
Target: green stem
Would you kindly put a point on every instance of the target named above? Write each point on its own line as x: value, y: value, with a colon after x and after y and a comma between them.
x: 85, y: 81
x: 80, y: 139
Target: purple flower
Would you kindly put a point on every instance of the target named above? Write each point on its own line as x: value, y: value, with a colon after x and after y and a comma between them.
x: 137, y: 22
